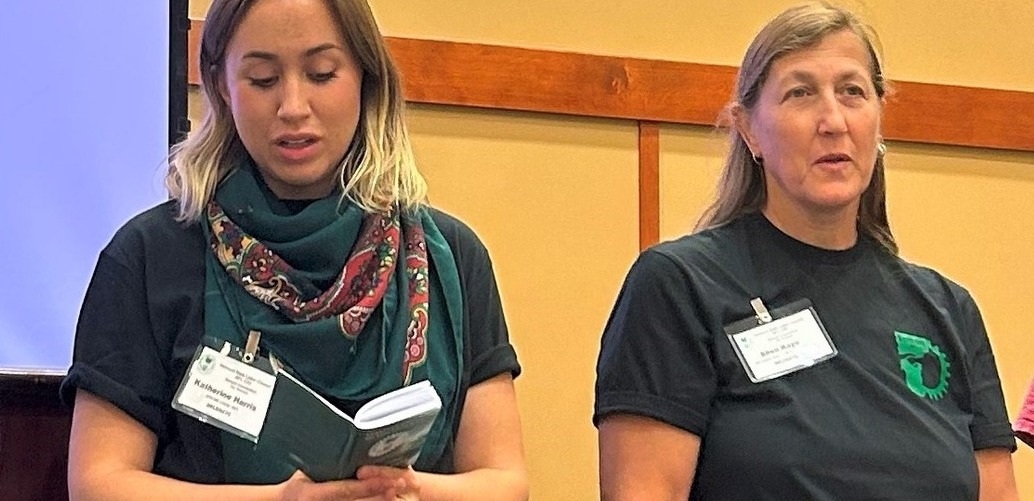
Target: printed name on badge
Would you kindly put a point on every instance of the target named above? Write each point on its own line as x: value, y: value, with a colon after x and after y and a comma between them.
x: 226, y: 392
x: 781, y: 345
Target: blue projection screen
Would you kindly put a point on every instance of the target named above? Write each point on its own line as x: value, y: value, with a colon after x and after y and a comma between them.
x: 85, y: 105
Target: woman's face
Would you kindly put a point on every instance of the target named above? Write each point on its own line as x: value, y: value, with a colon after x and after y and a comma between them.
x: 816, y: 126
x: 293, y: 88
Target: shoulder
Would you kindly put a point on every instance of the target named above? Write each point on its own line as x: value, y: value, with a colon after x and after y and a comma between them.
x: 155, y: 232
x: 453, y: 229
x: 933, y: 283
x: 711, y: 249
x: 462, y: 240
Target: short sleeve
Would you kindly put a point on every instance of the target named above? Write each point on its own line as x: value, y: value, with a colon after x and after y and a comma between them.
x: 990, y: 426
x: 115, y: 356
x: 491, y: 351
x: 655, y: 355
x: 488, y: 351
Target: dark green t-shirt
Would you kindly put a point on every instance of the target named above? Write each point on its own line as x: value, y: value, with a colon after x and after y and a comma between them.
x: 897, y: 414
x: 142, y: 320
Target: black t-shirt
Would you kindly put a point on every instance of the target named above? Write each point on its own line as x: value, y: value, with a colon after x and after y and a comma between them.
x: 875, y: 422
x: 143, y: 318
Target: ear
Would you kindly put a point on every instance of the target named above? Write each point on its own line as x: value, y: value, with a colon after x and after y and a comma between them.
x: 741, y: 122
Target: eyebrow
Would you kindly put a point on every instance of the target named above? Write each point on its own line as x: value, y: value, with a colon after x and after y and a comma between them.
x: 809, y: 78
x: 269, y: 56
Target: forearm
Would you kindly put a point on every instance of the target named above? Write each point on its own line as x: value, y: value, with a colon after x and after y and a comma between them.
x: 997, y: 479
x: 489, y: 454
x: 480, y: 484
x: 141, y: 485
x: 110, y: 456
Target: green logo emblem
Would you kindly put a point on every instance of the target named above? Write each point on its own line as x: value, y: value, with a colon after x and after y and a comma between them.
x: 206, y: 364
x: 913, y: 349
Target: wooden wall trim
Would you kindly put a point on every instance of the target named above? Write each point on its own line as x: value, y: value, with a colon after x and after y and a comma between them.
x: 194, y: 51
x: 961, y: 116
x: 512, y: 78
x: 509, y: 78
x: 649, y: 184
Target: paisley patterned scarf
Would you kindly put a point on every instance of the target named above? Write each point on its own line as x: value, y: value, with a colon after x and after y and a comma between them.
x: 345, y: 298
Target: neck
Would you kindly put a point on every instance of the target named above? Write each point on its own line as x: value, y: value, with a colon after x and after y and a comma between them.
x: 832, y: 230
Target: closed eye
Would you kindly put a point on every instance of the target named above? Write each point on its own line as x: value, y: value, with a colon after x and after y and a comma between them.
x: 263, y: 83
x: 323, y: 77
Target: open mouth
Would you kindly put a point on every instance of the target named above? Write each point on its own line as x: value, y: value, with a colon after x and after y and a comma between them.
x: 833, y: 158
x: 295, y: 143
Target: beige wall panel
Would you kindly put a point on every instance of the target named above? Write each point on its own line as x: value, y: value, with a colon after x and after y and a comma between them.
x: 195, y: 106
x: 691, y: 159
x: 196, y: 9
x: 960, y: 42
x: 555, y: 201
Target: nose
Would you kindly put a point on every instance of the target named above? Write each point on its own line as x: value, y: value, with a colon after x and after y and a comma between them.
x: 294, y: 101
x: 831, y: 116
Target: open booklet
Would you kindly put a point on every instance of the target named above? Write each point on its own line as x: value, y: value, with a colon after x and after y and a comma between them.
x: 229, y: 387
x: 328, y: 444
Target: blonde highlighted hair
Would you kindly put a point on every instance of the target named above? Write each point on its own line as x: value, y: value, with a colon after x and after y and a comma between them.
x: 741, y: 185
x: 378, y: 170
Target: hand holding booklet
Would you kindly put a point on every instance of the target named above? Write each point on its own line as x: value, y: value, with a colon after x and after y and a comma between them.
x: 327, y: 444
x: 240, y: 392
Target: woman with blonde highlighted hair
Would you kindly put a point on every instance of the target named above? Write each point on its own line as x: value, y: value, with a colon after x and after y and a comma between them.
x: 298, y: 231
x: 378, y: 170
x: 784, y: 350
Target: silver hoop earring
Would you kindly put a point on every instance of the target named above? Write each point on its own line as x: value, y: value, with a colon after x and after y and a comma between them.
x: 758, y: 160
x: 881, y: 150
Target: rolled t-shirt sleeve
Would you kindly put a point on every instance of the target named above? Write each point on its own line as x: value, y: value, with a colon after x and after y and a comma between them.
x: 990, y: 426
x: 491, y: 351
x: 487, y: 347
x: 655, y: 355
x: 115, y: 356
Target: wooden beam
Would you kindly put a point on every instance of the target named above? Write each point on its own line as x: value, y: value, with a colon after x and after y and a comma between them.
x: 962, y: 116
x: 649, y: 184
x: 510, y: 78
x: 194, y: 51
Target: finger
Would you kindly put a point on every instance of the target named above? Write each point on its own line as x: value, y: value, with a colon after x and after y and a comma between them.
x: 348, y: 489
x: 370, y: 471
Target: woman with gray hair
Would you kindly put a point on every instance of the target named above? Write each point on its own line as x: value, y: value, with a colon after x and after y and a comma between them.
x: 784, y: 350
x: 298, y: 229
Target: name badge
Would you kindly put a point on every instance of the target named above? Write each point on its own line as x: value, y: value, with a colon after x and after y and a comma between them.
x: 780, y: 342
x: 228, y: 387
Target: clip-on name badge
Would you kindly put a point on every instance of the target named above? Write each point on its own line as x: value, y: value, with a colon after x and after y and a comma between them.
x: 228, y: 387
x: 777, y: 343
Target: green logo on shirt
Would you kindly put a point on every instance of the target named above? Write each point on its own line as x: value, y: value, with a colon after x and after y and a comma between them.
x: 913, y: 349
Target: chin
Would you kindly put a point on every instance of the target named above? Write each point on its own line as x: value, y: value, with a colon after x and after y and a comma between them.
x: 842, y: 195
x: 834, y: 206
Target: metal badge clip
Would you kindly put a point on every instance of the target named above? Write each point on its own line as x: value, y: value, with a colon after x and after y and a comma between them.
x: 251, y: 347
x: 760, y: 311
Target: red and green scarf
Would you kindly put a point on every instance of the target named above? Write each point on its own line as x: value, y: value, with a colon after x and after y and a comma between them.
x: 345, y: 298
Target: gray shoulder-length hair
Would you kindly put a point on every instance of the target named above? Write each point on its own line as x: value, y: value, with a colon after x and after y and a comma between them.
x: 378, y: 170
x: 741, y: 185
